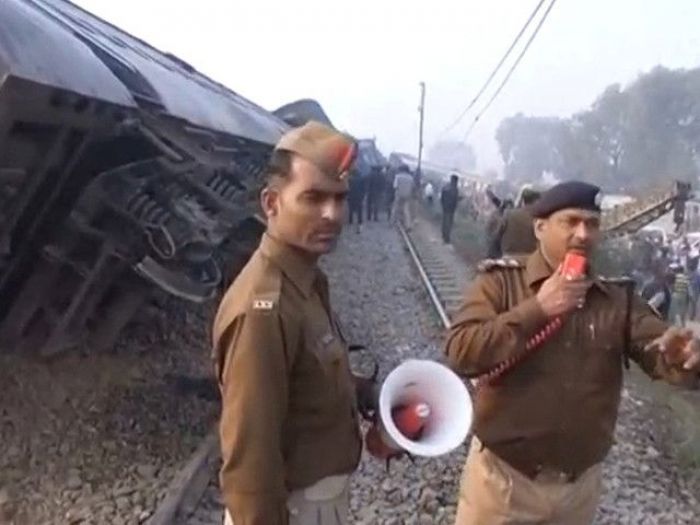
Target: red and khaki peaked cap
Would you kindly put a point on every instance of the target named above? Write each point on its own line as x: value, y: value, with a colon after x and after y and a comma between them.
x: 331, y: 151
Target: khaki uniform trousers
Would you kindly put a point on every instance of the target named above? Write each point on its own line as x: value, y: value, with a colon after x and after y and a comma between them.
x: 326, y: 502
x: 494, y: 493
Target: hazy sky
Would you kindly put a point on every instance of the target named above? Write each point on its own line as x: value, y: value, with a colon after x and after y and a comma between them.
x: 363, y: 60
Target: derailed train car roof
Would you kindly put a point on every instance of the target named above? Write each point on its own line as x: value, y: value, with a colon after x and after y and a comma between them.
x: 153, y: 78
x: 370, y: 152
x: 299, y: 112
x: 368, y: 156
x: 34, y: 48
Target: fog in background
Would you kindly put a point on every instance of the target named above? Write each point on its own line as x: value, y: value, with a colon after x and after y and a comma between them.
x: 363, y: 61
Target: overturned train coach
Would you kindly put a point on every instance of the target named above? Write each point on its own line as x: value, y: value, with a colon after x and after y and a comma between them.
x: 121, y: 169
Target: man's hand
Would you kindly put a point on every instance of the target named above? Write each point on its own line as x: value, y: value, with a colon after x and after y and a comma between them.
x: 678, y: 347
x: 560, y: 294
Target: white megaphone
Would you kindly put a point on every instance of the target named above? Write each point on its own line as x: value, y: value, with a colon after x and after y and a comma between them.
x: 429, y: 402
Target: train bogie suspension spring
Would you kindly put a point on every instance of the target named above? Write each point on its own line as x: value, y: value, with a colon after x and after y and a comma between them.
x: 223, y: 186
x: 146, y: 209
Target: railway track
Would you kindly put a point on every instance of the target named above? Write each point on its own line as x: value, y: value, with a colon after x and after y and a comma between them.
x: 442, y: 273
x: 185, y: 501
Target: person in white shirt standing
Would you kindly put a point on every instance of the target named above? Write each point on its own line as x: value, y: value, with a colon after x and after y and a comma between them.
x: 428, y: 194
x: 403, y: 187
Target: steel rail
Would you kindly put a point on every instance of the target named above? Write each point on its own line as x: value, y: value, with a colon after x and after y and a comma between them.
x: 432, y: 292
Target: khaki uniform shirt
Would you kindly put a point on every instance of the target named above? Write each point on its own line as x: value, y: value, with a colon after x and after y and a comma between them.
x: 289, y: 415
x: 518, y: 234
x: 558, y: 407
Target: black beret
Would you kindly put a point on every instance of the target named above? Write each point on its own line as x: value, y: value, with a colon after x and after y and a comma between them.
x: 571, y: 194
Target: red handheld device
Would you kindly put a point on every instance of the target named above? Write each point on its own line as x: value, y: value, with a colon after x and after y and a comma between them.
x: 410, y: 420
x: 574, y: 265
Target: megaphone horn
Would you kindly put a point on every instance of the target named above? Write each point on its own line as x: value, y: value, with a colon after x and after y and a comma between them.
x: 424, y: 410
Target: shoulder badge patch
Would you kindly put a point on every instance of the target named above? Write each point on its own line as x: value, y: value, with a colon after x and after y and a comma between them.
x: 490, y: 264
x: 263, y: 304
x: 266, y: 293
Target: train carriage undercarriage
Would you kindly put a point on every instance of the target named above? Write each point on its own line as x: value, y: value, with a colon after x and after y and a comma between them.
x: 121, y: 169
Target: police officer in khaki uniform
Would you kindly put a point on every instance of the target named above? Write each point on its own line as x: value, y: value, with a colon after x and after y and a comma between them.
x: 517, y: 236
x: 545, y: 418
x: 289, y: 428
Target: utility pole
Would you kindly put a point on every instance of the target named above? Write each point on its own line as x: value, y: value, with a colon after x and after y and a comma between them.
x: 421, y: 111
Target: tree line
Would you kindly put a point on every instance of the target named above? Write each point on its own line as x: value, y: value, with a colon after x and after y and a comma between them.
x: 631, y: 139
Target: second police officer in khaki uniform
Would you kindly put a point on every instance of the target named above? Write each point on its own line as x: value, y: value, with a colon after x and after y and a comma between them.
x: 516, y: 235
x: 289, y: 427
x: 543, y: 427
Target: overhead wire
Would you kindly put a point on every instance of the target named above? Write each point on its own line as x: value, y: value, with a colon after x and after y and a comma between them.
x: 495, y: 70
x: 511, y: 70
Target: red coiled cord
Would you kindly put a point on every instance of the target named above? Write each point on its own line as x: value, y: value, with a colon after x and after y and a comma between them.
x: 530, y: 347
x: 574, y: 265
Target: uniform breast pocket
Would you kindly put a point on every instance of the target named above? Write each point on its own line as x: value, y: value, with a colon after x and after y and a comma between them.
x: 603, y: 342
x: 326, y: 352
